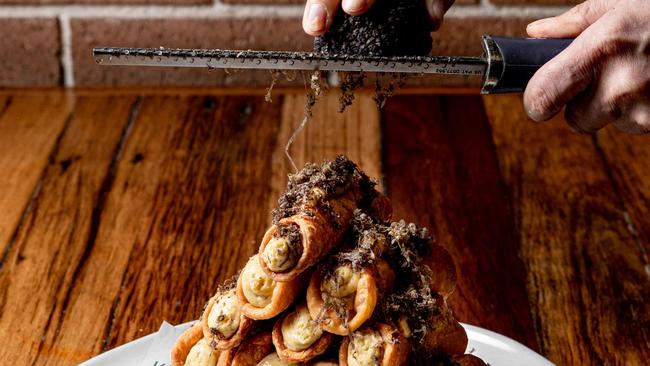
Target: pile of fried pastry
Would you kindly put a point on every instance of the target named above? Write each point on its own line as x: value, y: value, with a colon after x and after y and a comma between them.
x: 335, y: 282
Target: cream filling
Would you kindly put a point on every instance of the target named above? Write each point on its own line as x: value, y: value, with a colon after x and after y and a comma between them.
x: 201, y: 354
x: 274, y: 360
x: 343, y: 282
x: 224, y: 316
x: 299, y: 331
x: 365, y: 348
x: 256, y: 285
x: 280, y: 255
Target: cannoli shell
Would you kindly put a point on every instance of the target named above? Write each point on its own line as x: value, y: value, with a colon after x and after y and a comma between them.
x: 184, y: 344
x: 443, y: 271
x: 323, y: 363
x: 381, y: 207
x: 283, y: 295
x: 365, y: 300
x: 396, y: 347
x: 251, y: 351
x: 466, y: 360
x: 216, y: 340
x: 318, y: 348
x: 372, y: 283
x: 445, y: 335
x: 319, y: 235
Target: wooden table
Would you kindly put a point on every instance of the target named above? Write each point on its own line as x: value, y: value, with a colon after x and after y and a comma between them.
x: 121, y: 209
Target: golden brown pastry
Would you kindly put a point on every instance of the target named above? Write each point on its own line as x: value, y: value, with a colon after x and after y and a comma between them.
x: 380, y: 345
x: 297, y: 338
x: 324, y: 363
x: 441, y: 269
x: 273, y: 359
x: 191, y: 349
x: 250, y: 352
x: 343, y: 299
x: 466, y: 360
x: 445, y: 335
x: 223, y: 322
x: 314, y: 214
x: 260, y: 296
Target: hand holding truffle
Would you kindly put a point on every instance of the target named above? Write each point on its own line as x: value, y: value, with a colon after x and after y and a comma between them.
x: 319, y: 14
x: 603, y: 77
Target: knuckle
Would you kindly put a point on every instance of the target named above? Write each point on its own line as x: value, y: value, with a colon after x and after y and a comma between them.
x: 542, y: 97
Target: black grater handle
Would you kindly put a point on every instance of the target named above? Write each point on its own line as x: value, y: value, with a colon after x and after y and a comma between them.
x: 512, y: 62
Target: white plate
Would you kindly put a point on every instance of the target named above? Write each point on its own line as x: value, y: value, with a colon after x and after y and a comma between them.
x: 493, y: 348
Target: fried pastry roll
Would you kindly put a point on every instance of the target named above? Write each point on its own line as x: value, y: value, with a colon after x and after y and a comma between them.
x: 343, y: 299
x: 441, y: 270
x: 273, y: 359
x: 323, y: 363
x: 445, y: 335
x: 191, y: 349
x: 298, y: 338
x: 380, y: 345
x: 223, y: 322
x: 260, y: 296
x: 250, y: 352
x: 465, y: 360
x: 314, y: 214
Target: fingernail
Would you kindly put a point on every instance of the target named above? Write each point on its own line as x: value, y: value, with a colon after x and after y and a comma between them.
x: 538, y: 23
x: 317, y: 17
x: 354, y: 6
x: 534, y: 115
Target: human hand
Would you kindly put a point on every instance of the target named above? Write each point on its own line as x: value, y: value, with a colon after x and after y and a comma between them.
x: 319, y: 14
x: 603, y: 77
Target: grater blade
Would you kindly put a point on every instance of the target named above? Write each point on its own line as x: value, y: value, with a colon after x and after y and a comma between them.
x: 284, y: 60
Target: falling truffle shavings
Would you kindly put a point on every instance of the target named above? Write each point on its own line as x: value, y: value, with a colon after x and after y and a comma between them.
x: 388, y: 28
x: 351, y: 81
x: 315, y: 184
x: 384, y: 91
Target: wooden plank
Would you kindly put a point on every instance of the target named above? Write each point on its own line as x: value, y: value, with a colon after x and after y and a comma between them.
x: 29, y: 127
x: 628, y: 159
x: 586, y: 277
x: 56, y: 235
x: 187, y: 208
x: 442, y: 173
x: 355, y: 133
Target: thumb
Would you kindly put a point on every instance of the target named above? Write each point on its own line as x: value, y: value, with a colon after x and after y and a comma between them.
x: 571, y: 23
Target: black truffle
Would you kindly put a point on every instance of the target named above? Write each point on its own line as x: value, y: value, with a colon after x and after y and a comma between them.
x: 388, y: 28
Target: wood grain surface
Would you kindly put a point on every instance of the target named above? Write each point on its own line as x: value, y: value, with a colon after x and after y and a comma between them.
x: 442, y: 172
x: 121, y: 209
x: 586, y: 277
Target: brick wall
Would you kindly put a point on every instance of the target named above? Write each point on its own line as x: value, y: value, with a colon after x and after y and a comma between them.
x: 46, y: 43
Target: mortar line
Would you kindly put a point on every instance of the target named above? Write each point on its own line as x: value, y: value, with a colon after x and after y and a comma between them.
x: 67, y: 64
x: 221, y: 10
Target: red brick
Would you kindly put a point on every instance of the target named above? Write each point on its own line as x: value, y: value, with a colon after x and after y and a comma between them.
x: 536, y: 2
x: 462, y: 36
x: 29, y: 52
x: 249, y: 33
x: 462, y: 2
x: 103, y: 2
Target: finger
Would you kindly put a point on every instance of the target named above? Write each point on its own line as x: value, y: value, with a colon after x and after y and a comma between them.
x: 356, y: 7
x: 437, y: 10
x: 571, y: 23
x: 318, y: 16
x: 584, y: 115
x: 566, y: 75
x: 637, y: 117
